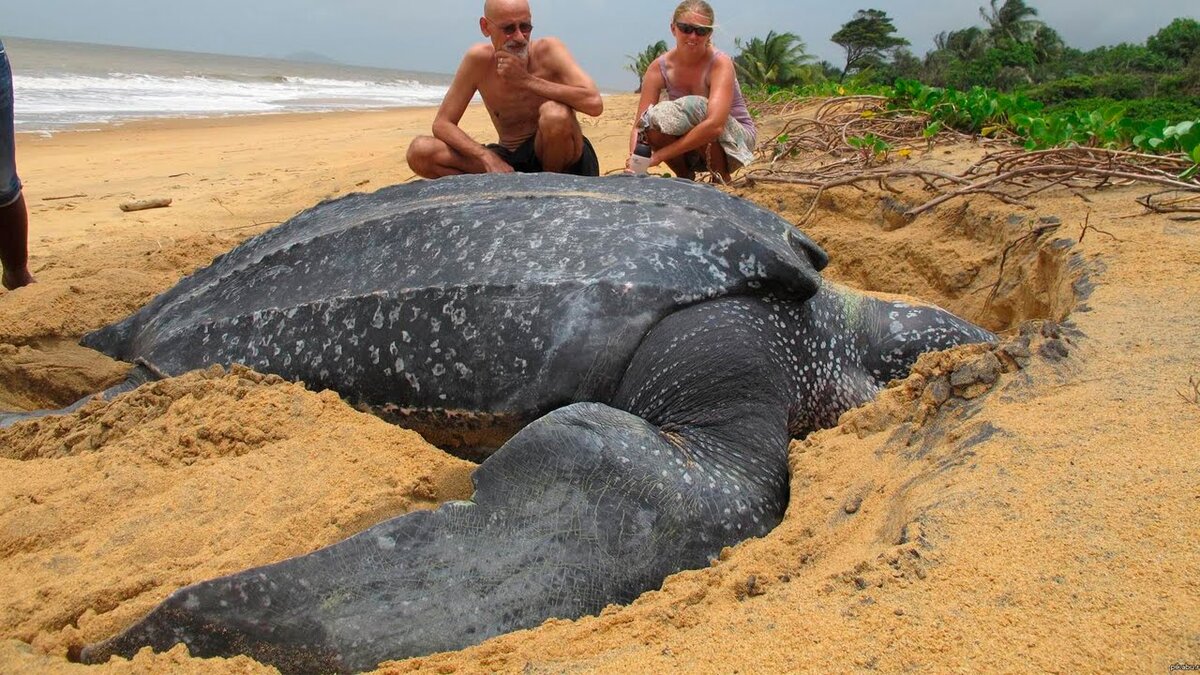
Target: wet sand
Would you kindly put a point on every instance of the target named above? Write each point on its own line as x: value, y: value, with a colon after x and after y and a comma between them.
x: 1030, y: 507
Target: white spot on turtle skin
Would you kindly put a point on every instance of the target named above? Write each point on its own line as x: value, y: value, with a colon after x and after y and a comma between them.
x: 458, y: 315
x: 896, y: 327
x: 749, y: 266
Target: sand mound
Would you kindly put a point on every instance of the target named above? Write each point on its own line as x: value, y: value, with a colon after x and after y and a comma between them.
x: 109, y: 510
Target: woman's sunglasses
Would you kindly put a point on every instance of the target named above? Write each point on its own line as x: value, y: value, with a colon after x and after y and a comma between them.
x: 525, y: 28
x: 689, y: 28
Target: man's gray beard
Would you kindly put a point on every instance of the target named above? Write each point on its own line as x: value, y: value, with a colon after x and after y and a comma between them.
x: 521, y: 51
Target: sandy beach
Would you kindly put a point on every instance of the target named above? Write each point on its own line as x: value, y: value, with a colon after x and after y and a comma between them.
x: 1033, y: 506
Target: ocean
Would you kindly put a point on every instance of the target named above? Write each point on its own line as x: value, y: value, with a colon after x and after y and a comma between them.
x: 71, y: 85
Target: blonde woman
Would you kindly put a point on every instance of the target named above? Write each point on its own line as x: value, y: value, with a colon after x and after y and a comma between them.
x: 703, y: 124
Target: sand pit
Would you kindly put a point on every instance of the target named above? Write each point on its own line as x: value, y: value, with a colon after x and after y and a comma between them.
x: 1031, y: 506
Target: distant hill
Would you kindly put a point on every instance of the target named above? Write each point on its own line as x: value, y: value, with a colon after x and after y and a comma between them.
x: 312, y: 57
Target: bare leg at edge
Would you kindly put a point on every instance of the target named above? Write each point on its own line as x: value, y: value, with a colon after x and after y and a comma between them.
x: 14, y: 244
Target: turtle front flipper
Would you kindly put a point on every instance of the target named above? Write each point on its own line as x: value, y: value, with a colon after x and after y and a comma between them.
x: 587, y: 506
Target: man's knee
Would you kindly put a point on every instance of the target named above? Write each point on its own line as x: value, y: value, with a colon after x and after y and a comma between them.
x: 421, y: 148
x: 556, y: 118
x: 420, y: 154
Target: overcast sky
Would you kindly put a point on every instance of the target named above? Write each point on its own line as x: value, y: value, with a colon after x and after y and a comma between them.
x: 432, y: 35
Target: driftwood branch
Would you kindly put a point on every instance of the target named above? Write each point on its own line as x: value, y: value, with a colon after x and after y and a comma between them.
x: 143, y: 204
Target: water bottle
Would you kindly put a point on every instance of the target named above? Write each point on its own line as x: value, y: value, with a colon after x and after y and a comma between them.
x: 639, y: 161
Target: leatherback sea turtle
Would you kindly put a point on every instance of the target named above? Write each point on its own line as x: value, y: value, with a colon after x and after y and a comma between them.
x: 652, y: 344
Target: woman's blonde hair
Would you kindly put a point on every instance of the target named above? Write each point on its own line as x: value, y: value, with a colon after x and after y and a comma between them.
x: 697, y: 6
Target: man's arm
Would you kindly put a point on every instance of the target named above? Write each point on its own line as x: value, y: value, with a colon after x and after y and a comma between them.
x: 570, y: 85
x: 458, y: 97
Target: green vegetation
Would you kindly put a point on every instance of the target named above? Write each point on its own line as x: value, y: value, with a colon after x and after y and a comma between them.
x: 867, y: 38
x: 780, y: 59
x: 990, y: 113
x: 1012, y: 76
x: 1012, y: 51
x: 639, y: 63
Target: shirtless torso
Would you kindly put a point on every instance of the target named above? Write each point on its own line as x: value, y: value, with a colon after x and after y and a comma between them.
x: 514, y: 109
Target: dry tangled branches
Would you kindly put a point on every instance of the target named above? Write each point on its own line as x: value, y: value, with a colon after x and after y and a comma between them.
x: 828, y: 128
x: 821, y: 145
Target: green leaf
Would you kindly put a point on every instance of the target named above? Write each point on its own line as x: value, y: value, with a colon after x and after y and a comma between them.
x: 1178, y: 130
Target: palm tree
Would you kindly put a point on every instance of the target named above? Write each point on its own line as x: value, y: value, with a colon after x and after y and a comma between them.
x: 965, y: 44
x: 638, y: 64
x: 1048, y: 45
x: 780, y: 59
x: 1013, y: 20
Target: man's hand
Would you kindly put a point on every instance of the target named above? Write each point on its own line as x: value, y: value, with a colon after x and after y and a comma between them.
x: 493, y: 164
x: 511, y: 68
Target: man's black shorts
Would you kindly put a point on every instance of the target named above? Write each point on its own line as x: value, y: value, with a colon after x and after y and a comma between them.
x: 525, y: 160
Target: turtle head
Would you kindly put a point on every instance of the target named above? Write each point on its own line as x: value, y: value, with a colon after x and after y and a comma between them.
x: 897, y: 331
x: 890, y: 332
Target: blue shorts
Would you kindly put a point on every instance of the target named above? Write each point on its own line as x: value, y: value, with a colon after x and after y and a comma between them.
x: 10, y: 184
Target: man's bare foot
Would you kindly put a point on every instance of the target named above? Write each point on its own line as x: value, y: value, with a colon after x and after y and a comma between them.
x: 13, y: 281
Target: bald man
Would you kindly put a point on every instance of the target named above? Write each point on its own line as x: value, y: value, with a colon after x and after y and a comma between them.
x: 532, y: 90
